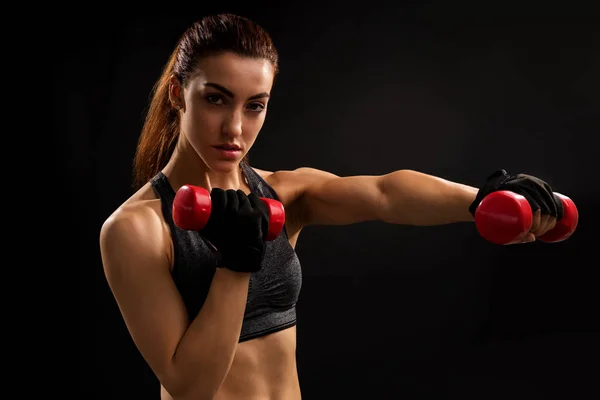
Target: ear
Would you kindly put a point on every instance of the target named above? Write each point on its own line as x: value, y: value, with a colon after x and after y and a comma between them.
x: 176, y: 93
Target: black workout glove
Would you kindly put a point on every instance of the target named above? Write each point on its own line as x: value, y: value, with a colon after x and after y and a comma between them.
x: 237, y: 226
x: 537, y: 192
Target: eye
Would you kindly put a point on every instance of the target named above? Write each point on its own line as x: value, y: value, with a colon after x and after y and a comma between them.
x: 256, y: 107
x: 215, y: 99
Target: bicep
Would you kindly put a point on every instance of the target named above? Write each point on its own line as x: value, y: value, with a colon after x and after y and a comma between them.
x: 332, y: 200
x: 138, y: 274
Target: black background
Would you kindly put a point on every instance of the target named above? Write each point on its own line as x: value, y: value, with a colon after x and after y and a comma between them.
x: 386, y: 311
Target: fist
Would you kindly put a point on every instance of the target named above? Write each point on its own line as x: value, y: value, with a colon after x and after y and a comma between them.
x: 539, y: 226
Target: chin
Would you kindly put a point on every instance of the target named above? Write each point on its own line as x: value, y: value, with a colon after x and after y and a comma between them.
x: 224, y: 166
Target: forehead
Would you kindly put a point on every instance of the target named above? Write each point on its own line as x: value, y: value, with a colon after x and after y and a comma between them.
x: 238, y: 74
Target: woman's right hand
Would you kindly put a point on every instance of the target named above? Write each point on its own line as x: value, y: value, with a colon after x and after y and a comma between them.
x: 237, y: 228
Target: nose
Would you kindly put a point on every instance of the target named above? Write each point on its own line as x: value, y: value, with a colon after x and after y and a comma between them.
x: 232, y: 126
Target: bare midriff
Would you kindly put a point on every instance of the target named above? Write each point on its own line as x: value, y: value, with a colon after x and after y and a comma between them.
x: 263, y: 369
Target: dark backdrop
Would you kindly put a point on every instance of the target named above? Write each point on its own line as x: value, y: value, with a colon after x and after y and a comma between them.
x: 386, y: 311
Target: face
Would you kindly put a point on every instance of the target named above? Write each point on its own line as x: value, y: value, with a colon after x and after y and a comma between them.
x: 224, y: 107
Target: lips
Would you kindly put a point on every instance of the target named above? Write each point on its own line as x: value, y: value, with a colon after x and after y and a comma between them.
x: 228, y: 147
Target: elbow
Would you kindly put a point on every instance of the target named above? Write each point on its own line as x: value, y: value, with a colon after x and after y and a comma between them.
x: 195, y: 395
x: 195, y: 386
x: 191, y: 391
x: 387, y: 201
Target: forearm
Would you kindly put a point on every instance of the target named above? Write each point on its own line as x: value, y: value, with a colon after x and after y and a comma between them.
x: 415, y: 198
x: 206, y: 351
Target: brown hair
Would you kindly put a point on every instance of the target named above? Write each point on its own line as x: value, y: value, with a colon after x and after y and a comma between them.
x: 211, y: 35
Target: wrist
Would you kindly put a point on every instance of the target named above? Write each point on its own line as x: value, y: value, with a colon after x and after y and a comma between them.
x: 464, y: 197
x: 245, y: 259
x: 231, y: 275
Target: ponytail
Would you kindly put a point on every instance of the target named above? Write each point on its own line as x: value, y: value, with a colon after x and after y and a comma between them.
x: 160, y: 131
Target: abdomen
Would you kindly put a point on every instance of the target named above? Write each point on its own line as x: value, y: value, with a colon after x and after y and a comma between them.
x: 262, y: 368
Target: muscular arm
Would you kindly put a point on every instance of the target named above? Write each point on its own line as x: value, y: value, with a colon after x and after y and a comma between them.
x: 415, y: 198
x: 401, y: 197
x: 191, y: 360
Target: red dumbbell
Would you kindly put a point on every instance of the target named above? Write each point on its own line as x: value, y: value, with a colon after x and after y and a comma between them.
x: 505, y: 217
x: 192, y: 206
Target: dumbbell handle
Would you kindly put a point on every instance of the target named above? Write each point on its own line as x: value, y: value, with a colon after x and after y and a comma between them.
x: 192, y: 207
x: 505, y: 217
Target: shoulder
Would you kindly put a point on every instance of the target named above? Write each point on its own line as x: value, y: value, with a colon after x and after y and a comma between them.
x: 292, y: 185
x: 136, y: 225
x: 298, y: 178
x: 132, y: 217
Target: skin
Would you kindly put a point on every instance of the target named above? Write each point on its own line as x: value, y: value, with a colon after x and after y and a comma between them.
x: 201, y: 359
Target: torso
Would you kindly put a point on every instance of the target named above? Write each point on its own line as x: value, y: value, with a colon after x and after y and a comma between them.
x: 262, y: 368
x: 265, y: 367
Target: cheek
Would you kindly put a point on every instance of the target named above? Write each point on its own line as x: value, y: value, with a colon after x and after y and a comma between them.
x: 255, y: 123
x: 252, y: 127
x: 198, y: 124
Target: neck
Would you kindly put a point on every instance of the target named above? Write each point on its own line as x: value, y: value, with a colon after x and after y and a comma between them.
x: 187, y: 168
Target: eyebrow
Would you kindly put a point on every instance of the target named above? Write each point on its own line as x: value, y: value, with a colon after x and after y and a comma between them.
x: 230, y: 93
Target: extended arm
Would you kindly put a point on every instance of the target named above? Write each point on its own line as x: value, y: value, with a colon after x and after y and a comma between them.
x: 400, y: 197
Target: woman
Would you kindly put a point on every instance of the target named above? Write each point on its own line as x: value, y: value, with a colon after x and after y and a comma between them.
x: 213, y: 312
